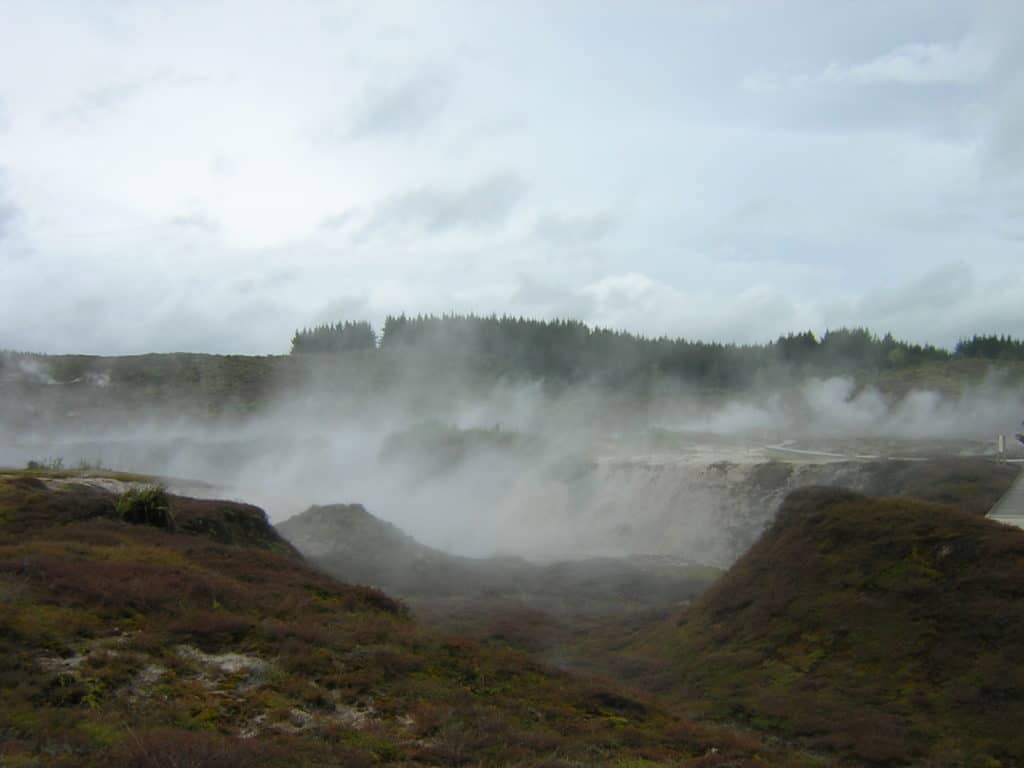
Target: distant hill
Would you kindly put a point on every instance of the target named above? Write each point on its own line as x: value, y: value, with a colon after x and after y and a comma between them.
x: 888, y: 630
x: 434, y: 357
x: 213, y: 645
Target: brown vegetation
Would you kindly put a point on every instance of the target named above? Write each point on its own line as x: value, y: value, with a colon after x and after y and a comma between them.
x: 130, y: 645
x: 886, y: 630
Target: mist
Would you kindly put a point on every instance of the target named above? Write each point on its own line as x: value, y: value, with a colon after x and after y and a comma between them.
x: 514, y: 468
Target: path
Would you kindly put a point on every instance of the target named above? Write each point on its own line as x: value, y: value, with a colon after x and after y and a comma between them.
x: 1010, y: 508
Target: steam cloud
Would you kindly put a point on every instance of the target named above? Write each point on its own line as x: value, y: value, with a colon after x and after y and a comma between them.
x: 519, y: 470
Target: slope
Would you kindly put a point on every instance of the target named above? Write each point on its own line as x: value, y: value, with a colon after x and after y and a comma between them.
x: 888, y: 630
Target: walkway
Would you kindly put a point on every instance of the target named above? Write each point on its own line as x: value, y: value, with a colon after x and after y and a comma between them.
x: 1010, y: 508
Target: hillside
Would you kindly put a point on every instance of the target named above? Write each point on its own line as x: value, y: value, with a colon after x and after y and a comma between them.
x: 888, y: 630
x: 215, y: 645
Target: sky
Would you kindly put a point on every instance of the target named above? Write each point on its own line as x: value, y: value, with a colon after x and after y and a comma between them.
x: 199, y: 175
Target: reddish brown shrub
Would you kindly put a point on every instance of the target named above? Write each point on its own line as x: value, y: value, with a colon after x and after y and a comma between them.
x: 211, y: 628
x: 175, y: 748
x: 308, y: 631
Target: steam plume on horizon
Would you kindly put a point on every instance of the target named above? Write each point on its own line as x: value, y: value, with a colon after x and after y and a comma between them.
x: 518, y: 469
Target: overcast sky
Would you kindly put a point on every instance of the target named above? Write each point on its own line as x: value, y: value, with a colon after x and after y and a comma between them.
x: 208, y: 176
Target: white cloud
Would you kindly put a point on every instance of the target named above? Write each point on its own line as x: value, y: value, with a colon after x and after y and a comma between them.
x: 909, y: 64
x: 918, y: 64
x: 8, y: 212
x: 403, y: 109
x: 484, y: 205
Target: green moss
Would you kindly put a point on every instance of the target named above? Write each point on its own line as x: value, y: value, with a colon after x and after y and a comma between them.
x: 51, y: 626
x: 100, y: 733
x: 202, y: 717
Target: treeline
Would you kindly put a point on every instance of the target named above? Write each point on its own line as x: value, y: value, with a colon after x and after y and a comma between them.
x: 340, y: 337
x: 570, y: 351
x: 991, y: 348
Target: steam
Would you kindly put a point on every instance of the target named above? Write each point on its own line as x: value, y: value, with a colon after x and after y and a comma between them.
x: 512, y: 469
x: 836, y: 408
x: 35, y: 371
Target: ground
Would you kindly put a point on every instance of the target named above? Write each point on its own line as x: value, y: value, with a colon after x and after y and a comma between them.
x: 217, y: 645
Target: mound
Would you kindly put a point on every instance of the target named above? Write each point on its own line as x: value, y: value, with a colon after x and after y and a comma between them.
x: 29, y: 501
x: 889, y: 630
x: 132, y: 644
x: 351, y: 544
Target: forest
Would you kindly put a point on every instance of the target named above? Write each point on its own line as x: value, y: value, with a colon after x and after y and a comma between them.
x: 568, y: 351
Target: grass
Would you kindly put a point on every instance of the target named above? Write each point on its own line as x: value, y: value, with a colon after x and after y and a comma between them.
x: 146, y: 506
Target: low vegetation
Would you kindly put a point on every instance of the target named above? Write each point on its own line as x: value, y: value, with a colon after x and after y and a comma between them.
x: 50, y: 463
x: 887, y: 631
x: 146, y: 506
x: 972, y: 485
x: 216, y: 645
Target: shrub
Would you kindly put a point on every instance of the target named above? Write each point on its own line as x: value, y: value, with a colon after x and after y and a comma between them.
x: 211, y: 628
x: 176, y: 748
x: 52, y: 464
x: 146, y: 506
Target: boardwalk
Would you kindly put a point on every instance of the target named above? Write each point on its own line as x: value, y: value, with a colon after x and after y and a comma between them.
x: 1010, y: 508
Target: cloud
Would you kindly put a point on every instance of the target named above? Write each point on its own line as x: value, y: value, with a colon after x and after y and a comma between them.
x: 223, y: 165
x: 8, y: 212
x: 354, y: 307
x: 941, y: 306
x: 482, y: 206
x: 487, y: 161
x: 196, y: 221
x: 756, y: 314
x: 910, y: 64
x: 337, y: 221
x: 113, y: 95
x: 916, y: 64
x: 538, y: 297
x: 1003, y: 145
x: 568, y: 230
x: 404, y: 109
x: 931, y: 293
